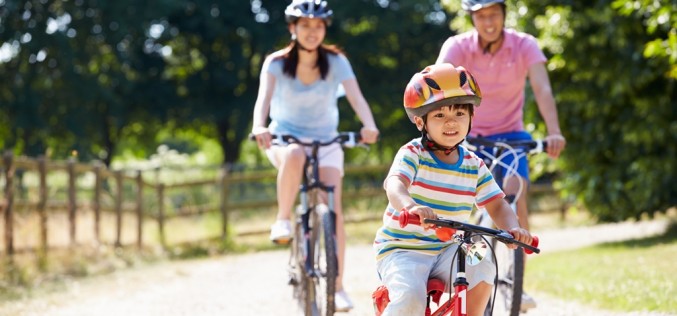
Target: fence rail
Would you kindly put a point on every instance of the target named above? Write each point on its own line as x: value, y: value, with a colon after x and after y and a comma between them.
x: 136, y: 203
x: 125, y: 194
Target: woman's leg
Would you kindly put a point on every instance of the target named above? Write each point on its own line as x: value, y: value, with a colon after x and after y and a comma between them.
x: 332, y: 177
x: 289, y: 160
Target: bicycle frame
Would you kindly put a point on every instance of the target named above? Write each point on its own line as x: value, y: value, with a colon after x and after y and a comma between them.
x: 313, y: 258
x: 446, y: 229
x: 511, y: 274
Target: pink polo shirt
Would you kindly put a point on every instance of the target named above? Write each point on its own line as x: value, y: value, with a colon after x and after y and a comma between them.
x: 501, y: 77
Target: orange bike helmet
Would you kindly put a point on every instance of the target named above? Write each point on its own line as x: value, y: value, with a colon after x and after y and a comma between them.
x: 437, y: 86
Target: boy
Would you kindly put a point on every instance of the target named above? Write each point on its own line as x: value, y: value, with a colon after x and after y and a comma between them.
x: 434, y: 176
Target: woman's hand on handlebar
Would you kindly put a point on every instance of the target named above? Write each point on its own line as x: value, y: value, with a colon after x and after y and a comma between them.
x: 520, y: 234
x: 369, y: 134
x: 263, y: 137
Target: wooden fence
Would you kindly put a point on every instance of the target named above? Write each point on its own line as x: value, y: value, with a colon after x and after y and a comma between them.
x: 141, y: 195
x: 137, y: 202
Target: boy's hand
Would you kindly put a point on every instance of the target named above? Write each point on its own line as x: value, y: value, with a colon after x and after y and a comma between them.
x: 424, y: 212
x: 521, y: 235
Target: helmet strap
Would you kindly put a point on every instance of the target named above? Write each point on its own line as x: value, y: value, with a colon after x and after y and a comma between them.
x: 432, y: 145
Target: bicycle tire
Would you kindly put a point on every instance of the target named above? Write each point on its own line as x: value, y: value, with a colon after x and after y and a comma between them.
x: 510, y: 277
x: 298, y: 277
x: 325, y: 261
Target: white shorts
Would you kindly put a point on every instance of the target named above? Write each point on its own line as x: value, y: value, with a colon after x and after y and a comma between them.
x: 328, y: 156
x: 406, y: 274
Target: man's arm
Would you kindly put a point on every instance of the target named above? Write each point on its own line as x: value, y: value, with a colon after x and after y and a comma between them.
x: 540, y: 84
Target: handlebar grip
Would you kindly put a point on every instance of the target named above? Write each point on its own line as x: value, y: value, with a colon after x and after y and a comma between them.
x: 534, y: 243
x: 442, y: 233
x: 408, y: 218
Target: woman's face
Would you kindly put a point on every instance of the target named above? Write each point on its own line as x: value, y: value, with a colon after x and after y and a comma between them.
x: 489, y: 22
x: 309, y: 32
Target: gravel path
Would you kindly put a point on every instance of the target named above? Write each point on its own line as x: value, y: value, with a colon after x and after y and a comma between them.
x: 255, y: 284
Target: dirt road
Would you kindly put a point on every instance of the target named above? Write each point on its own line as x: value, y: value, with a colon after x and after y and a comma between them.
x: 255, y: 284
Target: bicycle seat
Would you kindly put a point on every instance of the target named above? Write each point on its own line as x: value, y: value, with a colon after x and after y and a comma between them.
x: 435, y: 289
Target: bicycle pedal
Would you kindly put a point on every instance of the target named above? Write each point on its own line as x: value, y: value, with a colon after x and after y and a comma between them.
x: 282, y: 241
x: 292, y: 281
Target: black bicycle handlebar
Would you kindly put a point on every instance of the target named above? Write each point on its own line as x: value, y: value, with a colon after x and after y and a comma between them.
x: 346, y: 139
x: 501, y: 235
x: 538, y: 145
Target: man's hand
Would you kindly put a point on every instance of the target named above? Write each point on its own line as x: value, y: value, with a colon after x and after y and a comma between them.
x: 556, y: 143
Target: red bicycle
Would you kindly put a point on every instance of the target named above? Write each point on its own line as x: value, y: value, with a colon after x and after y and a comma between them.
x: 473, y: 249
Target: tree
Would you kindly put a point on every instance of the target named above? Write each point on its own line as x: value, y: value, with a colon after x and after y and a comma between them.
x: 612, y: 67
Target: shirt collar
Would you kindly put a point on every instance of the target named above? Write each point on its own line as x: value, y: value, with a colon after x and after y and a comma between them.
x: 508, y: 43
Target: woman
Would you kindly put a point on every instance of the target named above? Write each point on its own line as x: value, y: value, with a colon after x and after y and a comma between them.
x: 298, y: 89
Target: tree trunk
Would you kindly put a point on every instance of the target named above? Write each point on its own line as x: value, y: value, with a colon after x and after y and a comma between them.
x: 230, y: 147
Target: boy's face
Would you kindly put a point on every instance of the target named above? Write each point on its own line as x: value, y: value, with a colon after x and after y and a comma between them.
x: 447, y: 125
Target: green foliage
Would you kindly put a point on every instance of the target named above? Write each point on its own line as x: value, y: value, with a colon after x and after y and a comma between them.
x: 617, y: 113
x: 612, y: 70
x: 112, y: 79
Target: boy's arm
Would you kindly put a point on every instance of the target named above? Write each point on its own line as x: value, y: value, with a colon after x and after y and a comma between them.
x: 505, y: 219
x: 400, y: 199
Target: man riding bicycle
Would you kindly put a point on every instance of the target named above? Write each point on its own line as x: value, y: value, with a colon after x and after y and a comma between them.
x: 502, y: 59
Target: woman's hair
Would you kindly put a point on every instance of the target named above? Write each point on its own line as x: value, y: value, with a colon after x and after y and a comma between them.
x: 291, y: 58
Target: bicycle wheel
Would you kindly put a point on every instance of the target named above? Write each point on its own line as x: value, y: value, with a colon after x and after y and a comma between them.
x: 325, y: 262
x: 510, y: 278
x: 298, y: 278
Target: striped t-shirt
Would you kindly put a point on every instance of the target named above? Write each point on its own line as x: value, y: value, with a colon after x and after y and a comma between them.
x: 450, y: 190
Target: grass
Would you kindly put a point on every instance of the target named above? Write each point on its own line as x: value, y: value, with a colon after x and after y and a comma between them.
x: 634, y: 275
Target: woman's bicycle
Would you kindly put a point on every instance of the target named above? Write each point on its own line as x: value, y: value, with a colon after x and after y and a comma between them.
x: 313, y: 262
x: 511, y: 271
x: 472, y: 250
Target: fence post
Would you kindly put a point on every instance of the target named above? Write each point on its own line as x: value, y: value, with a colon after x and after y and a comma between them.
x: 97, y: 201
x: 118, y: 208
x: 224, y: 200
x: 9, y: 197
x: 161, y: 213
x: 42, y: 203
x: 139, y: 208
x: 72, y: 203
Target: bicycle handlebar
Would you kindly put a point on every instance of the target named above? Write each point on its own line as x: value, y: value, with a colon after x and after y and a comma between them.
x: 445, y: 229
x: 346, y: 139
x: 533, y: 146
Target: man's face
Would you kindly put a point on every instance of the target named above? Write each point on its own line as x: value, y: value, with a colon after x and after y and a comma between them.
x: 489, y: 22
